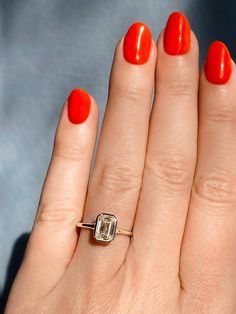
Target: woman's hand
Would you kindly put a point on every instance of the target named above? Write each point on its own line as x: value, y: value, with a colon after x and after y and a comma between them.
x: 170, y: 176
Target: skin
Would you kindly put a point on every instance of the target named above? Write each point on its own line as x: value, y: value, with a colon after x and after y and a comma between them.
x: 170, y: 174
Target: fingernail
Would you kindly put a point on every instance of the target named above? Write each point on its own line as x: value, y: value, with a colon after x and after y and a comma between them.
x: 177, y: 35
x: 137, y: 44
x: 78, y: 106
x: 218, y: 66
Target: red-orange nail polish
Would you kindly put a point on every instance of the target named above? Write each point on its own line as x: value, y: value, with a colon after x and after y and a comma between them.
x: 218, y: 66
x: 177, y: 35
x: 78, y: 106
x: 137, y: 43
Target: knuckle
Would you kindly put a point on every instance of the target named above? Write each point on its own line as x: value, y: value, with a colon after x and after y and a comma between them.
x: 205, y: 290
x: 179, y: 88
x: 69, y: 152
x: 180, y: 84
x: 118, y: 178
x: 132, y: 92
x: 56, y: 213
x: 215, y: 186
x: 219, y: 112
x: 173, y: 171
x: 88, y: 303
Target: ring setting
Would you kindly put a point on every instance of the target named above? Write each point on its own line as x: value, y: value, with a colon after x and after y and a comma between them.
x: 104, y: 228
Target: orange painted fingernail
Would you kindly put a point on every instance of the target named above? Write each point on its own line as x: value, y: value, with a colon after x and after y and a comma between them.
x: 177, y: 35
x: 218, y: 65
x: 78, y: 106
x: 137, y: 44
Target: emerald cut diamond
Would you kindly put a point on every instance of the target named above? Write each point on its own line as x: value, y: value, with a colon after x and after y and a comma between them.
x: 105, y: 228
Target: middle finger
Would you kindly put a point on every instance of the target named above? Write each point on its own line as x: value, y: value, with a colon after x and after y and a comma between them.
x: 171, y: 154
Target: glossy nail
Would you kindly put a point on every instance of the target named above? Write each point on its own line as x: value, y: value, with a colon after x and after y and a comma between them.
x: 78, y: 106
x: 137, y: 44
x: 177, y: 34
x: 218, y: 66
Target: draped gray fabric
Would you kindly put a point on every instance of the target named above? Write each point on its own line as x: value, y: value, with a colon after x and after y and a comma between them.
x: 46, y: 49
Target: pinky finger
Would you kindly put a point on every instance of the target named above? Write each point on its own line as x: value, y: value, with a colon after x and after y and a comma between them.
x: 54, y: 236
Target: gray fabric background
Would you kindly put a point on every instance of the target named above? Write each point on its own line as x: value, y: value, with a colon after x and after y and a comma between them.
x: 46, y: 49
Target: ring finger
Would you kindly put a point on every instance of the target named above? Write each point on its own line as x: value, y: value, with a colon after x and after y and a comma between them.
x: 117, y: 175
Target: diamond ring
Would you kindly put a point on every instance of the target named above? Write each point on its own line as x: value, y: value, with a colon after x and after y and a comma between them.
x: 104, y: 228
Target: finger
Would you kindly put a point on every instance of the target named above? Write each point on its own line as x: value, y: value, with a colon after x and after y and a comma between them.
x: 208, y: 254
x: 54, y: 235
x: 171, y: 154
x: 117, y: 175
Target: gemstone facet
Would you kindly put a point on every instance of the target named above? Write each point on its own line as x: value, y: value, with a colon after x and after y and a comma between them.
x: 105, y: 228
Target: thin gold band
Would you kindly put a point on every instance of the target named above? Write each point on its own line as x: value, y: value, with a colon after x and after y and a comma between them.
x: 91, y: 225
